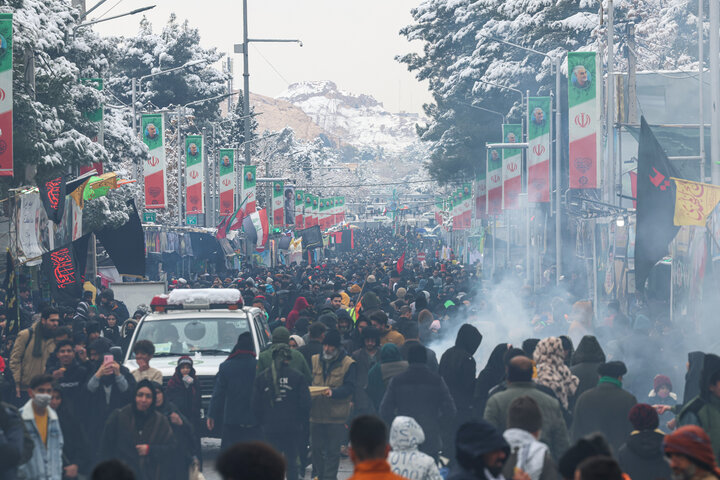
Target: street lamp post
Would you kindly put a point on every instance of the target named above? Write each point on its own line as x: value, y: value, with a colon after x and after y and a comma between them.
x: 558, y: 119
x: 243, y: 48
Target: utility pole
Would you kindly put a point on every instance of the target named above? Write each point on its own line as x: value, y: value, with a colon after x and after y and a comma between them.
x: 610, y: 185
x: 244, y: 49
x: 80, y: 5
x: 229, y: 66
x: 632, y: 69
x: 714, y: 91
x: 701, y: 85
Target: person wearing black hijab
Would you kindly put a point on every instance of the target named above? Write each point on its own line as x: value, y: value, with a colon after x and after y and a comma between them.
x: 139, y: 435
x: 491, y: 375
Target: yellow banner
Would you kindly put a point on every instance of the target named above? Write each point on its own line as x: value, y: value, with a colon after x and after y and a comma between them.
x: 694, y: 202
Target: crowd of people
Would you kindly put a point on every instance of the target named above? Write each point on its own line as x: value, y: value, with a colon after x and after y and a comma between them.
x: 374, y: 356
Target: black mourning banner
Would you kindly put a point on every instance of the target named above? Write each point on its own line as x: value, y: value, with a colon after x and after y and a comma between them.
x: 126, y: 245
x: 311, y: 237
x: 52, y: 194
x: 655, y: 204
x: 64, y: 268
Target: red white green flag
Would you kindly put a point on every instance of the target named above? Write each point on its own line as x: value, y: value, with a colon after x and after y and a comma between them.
x: 6, y: 95
x: 480, y: 195
x: 494, y: 182
x: 278, y: 203
x: 194, y: 175
x: 467, y: 204
x: 538, y: 154
x: 227, y: 181
x: 248, y: 188
x: 583, y: 86
x: 512, y: 167
x: 299, y: 204
x: 153, y: 135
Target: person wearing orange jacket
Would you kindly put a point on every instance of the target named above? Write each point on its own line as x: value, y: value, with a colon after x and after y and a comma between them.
x: 369, y: 449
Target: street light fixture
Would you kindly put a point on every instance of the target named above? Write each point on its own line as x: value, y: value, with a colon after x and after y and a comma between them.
x: 133, y: 12
x: 558, y: 123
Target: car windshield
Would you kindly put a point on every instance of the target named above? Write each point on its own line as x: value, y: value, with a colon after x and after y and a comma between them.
x: 183, y: 336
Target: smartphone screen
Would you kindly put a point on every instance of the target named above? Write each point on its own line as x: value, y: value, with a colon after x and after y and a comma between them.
x: 108, y: 359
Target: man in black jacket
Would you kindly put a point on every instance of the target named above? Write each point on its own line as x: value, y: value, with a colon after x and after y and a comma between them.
x: 316, y: 333
x: 69, y: 376
x: 281, y: 403
x: 422, y: 395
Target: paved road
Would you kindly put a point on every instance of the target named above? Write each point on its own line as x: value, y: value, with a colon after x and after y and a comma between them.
x: 211, y: 449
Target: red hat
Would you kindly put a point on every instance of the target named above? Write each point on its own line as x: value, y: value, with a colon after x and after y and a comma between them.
x: 692, y: 442
x: 661, y: 380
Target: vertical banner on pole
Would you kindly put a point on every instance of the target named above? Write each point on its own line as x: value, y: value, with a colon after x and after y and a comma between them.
x: 342, y: 208
x: 480, y: 195
x: 289, y: 201
x: 6, y: 95
x: 227, y: 181
x: 278, y: 203
x: 299, y: 209
x: 538, y: 154
x: 194, y: 175
x: 323, y: 208
x: 315, y: 210
x: 438, y: 210
x: 153, y: 135
x: 248, y: 188
x: 583, y: 85
x: 511, y: 167
x: 467, y: 204
x: 95, y: 116
x: 494, y: 182
x: 307, y: 211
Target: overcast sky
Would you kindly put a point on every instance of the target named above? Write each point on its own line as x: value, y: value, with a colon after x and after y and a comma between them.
x: 350, y: 42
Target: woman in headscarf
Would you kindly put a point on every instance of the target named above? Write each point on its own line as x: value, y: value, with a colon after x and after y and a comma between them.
x: 139, y: 435
x: 379, y: 376
x: 491, y: 375
x: 187, y: 440
x: 552, y: 372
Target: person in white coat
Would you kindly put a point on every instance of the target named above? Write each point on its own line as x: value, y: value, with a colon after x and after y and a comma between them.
x: 405, y: 459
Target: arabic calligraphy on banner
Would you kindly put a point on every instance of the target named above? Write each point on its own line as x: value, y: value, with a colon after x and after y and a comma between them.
x: 694, y: 202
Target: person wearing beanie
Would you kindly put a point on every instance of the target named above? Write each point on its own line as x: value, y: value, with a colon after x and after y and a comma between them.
x: 281, y: 336
x: 691, y: 454
x: 369, y: 303
x: 380, y: 321
x: 662, y: 394
x: 183, y: 390
x: 420, y: 394
x: 641, y: 456
x: 606, y: 407
x: 391, y: 364
x: 481, y: 452
x: 334, y: 370
x: 232, y: 394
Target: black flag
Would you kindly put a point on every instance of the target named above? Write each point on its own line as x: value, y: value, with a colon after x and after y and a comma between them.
x: 126, y: 245
x: 655, y: 205
x: 52, y: 194
x: 64, y: 268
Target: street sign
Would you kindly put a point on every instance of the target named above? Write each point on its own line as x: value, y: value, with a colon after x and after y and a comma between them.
x: 191, y: 220
x: 149, y: 217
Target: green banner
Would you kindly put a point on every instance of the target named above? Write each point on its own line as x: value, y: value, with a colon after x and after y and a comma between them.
x: 227, y: 161
x: 193, y: 149
x: 152, y: 130
x: 97, y: 114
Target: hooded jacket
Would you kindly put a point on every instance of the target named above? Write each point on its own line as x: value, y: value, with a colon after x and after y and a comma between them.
x: 457, y: 368
x: 23, y: 362
x: 231, y: 397
x: 704, y: 410
x: 300, y: 304
x: 585, y: 361
x: 379, y: 376
x: 283, y: 411
x: 405, y: 459
x: 552, y: 371
x: 473, y: 440
x: 642, y: 456
x: 491, y: 375
x: 185, y: 397
x: 529, y: 455
x: 281, y: 336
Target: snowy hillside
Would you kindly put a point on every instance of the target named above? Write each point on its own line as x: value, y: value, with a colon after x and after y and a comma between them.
x: 358, y: 120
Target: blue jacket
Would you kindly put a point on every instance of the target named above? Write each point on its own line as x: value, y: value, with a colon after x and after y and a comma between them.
x: 232, y: 396
x: 46, y: 461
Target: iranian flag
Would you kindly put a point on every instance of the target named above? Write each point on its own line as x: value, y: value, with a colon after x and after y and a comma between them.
x: 153, y: 135
x: 583, y: 88
x: 467, y: 204
x: 512, y: 167
x: 494, y: 183
x: 480, y: 195
x: 315, y: 210
x: 227, y: 181
x: 6, y: 95
x: 307, y: 209
x: 248, y: 188
x: 342, y: 208
x: 299, y: 202
x: 278, y: 203
x: 538, y: 154
x: 194, y: 175
x: 438, y: 210
x: 323, y: 218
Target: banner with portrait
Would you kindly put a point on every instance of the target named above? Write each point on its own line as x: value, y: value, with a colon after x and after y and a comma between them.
x: 248, y: 188
x: 227, y: 181
x: 153, y: 135
x: 278, y: 203
x: 480, y: 194
x: 538, y: 153
x: 299, y: 209
x: 512, y: 167
x: 467, y: 204
x: 289, y: 205
x: 583, y: 116
x: 6, y: 94
x: 194, y: 175
x: 494, y: 182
